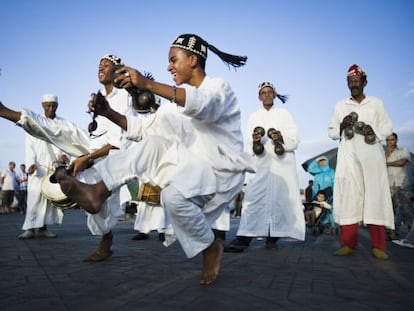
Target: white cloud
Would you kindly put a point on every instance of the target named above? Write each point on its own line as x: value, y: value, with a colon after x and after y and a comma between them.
x: 410, y: 91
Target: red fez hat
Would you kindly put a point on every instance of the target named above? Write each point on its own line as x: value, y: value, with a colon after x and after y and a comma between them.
x: 355, y: 70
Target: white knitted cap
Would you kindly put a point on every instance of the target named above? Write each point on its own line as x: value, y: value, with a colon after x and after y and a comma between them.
x: 49, y: 98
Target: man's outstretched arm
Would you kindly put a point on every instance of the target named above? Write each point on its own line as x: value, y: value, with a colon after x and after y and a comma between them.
x: 9, y: 114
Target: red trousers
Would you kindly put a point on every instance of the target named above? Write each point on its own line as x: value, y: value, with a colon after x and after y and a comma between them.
x: 349, y: 236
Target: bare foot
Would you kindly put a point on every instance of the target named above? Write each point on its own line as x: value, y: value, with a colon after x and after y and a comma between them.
x: 212, y: 262
x: 103, y: 251
x: 89, y: 197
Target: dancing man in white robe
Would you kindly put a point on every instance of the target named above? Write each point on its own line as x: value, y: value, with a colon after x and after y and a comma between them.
x: 200, y: 175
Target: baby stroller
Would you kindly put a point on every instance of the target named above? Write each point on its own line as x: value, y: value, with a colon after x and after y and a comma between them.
x: 324, y: 222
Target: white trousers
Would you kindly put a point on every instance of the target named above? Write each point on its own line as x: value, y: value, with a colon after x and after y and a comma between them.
x: 188, y: 185
x: 150, y: 217
x: 107, y: 218
x: 191, y: 226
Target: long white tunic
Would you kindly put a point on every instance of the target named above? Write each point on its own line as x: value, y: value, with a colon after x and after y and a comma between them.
x: 207, y: 129
x: 272, y: 203
x: 40, y: 211
x: 75, y: 142
x: 149, y: 217
x: 361, y: 190
x: 108, y: 132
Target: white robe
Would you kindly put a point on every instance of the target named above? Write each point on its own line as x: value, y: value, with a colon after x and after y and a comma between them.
x: 168, y: 122
x: 108, y: 132
x: 211, y: 134
x: 61, y: 133
x: 75, y: 142
x: 272, y: 204
x: 149, y: 217
x: 40, y: 211
x: 208, y: 161
x: 361, y: 190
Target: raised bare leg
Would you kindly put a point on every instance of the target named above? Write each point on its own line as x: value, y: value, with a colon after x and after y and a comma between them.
x: 212, y: 262
x: 89, y: 197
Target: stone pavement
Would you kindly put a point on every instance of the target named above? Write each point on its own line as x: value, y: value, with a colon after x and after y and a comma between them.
x: 48, y: 274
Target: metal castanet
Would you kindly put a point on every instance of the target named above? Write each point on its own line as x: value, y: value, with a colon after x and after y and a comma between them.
x: 349, y: 130
x: 279, y: 149
x: 258, y: 147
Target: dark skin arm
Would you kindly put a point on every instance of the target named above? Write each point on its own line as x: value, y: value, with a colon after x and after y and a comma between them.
x: 102, y: 108
x: 83, y: 162
x: 105, y: 110
x: 399, y: 163
x: 140, y: 81
x: 9, y: 114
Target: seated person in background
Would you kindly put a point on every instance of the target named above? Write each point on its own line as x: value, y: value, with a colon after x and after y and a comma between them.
x: 312, y: 215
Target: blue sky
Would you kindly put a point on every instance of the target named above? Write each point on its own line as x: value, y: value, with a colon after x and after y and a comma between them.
x: 303, y: 47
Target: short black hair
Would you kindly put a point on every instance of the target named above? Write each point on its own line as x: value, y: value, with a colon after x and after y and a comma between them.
x: 322, y: 192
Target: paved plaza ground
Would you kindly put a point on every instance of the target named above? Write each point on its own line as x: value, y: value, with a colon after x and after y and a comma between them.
x: 48, y: 274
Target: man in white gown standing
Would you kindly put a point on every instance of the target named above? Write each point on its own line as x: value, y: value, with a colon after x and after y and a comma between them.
x: 40, y: 156
x: 272, y: 206
x: 361, y: 192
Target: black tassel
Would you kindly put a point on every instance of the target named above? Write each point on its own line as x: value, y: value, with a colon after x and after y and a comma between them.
x: 283, y: 98
x: 230, y: 60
